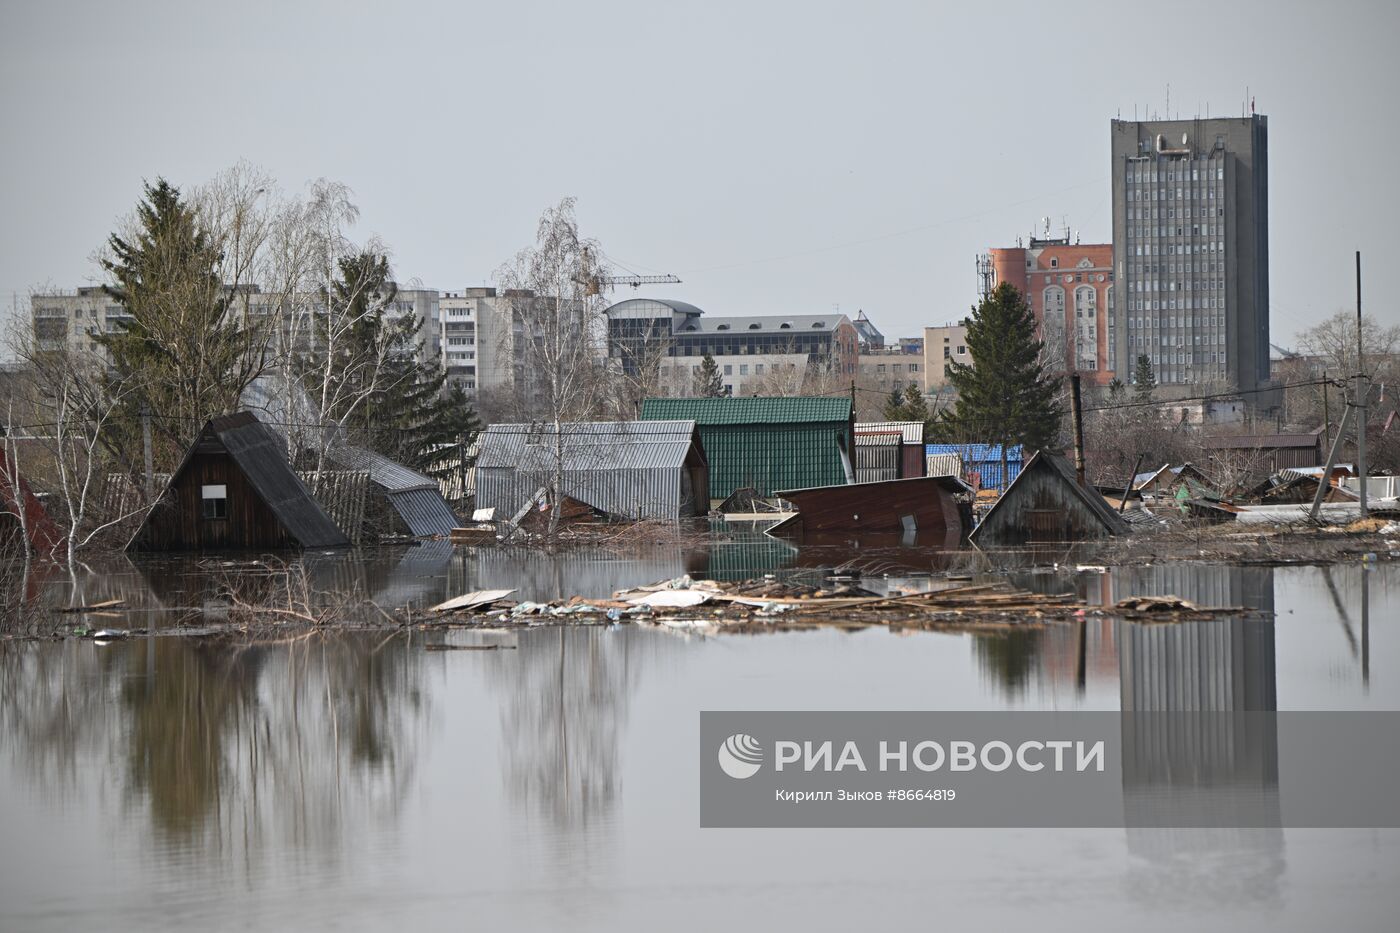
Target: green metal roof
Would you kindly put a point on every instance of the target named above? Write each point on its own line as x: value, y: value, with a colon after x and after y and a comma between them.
x: 749, y: 409
x: 766, y: 443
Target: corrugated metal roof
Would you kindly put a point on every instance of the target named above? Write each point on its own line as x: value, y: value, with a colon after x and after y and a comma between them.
x: 416, y: 498
x: 911, y: 432
x: 259, y: 453
x: 796, y: 409
x: 982, y: 459
x: 1254, y: 441
x: 589, y: 444
x: 632, y: 469
x: 424, y: 511
x: 978, y: 453
x: 394, y: 477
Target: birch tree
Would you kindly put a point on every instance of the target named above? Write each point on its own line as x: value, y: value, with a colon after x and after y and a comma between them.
x: 557, y: 331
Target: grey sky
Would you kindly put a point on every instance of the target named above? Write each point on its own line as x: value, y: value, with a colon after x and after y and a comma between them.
x: 779, y: 157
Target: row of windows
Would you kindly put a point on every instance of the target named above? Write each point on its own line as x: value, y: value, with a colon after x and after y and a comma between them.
x: 1169, y: 213
x: 1178, y: 249
x: 1078, y: 277
x: 1197, y: 170
x: 1189, y: 285
x: 1210, y: 320
x: 1212, y: 230
x: 1199, y: 340
x: 1173, y: 304
x: 1206, y: 193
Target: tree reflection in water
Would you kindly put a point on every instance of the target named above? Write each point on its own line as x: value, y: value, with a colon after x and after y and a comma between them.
x: 227, y: 748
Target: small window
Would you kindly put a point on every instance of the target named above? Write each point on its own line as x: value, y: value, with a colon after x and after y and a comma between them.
x: 817, y: 325
x: 722, y: 327
x: 215, y: 501
x: 786, y: 325
x: 755, y: 326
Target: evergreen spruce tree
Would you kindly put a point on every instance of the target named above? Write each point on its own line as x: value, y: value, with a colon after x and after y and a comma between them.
x: 402, y: 411
x: 708, y: 381
x: 1005, y: 397
x: 184, y: 346
x: 1116, y: 390
x: 1144, y: 379
x: 906, y: 404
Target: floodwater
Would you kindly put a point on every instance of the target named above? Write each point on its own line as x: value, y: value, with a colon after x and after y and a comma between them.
x: 360, y: 780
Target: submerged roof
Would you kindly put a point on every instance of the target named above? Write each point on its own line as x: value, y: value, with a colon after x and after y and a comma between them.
x: 415, y: 497
x: 634, y: 469
x: 750, y: 409
x: 588, y: 445
x: 1058, y: 465
x: 382, y: 471
x: 262, y: 457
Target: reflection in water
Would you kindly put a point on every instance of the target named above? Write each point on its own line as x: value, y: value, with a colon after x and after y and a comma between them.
x: 228, y: 750
x: 564, y: 712
x: 1200, y: 743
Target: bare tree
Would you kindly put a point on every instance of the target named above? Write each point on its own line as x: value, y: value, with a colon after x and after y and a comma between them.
x: 1331, y: 346
x: 74, y: 402
x: 556, y: 332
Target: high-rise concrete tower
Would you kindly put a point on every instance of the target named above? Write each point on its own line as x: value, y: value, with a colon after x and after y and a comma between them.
x: 1191, y: 252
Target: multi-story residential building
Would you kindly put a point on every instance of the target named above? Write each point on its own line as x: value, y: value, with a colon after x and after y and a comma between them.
x: 1191, y: 238
x: 462, y: 356
x: 891, y: 369
x: 943, y: 345
x: 750, y: 351
x: 70, y: 320
x: 1070, y: 289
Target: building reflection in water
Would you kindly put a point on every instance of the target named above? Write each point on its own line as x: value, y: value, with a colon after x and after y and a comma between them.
x: 1200, y: 744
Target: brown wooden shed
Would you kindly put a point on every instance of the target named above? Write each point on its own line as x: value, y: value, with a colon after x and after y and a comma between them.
x: 1046, y: 503
x: 235, y: 491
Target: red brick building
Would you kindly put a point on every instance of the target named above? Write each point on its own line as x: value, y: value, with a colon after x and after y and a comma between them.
x: 1070, y: 289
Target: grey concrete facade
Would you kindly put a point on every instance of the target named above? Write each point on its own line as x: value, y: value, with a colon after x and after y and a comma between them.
x: 1191, y: 251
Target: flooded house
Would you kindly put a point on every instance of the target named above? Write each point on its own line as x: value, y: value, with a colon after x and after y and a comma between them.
x: 235, y: 490
x: 767, y: 444
x: 625, y: 469
x: 400, y: 501
x: 888, y: 450
x: 21, y: 513
x: 1046, y: 503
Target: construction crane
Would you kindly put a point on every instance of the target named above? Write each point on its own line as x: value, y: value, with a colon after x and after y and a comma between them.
x: 598, y: 282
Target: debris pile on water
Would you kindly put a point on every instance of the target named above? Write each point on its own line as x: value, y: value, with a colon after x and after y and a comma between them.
x: 708, y: 607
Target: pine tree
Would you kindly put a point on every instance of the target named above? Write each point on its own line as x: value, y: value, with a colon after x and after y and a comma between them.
x: 906, y: 404
x: 1116, y: 390
x: 184, y: 345
x: 1005, y: 397
x: 1144, y: 379
x: 708, y: 382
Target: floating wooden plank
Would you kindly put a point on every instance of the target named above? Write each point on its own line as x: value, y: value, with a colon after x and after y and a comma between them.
x: 473, y: 600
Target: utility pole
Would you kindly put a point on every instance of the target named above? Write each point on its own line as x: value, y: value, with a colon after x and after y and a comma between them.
x: 146, y: 453
x: 1326, y: 414
x: 1076, y: 413
x: 1361, y: 392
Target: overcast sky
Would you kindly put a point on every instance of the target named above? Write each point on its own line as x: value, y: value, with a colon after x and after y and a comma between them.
x: 779, y: 157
